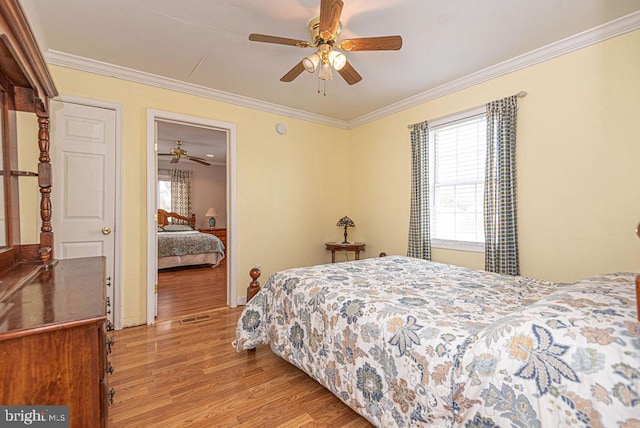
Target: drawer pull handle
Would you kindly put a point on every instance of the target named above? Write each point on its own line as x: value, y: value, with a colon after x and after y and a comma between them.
x: 110, y: 342
x: 111, y: 393
x: 109, y: 368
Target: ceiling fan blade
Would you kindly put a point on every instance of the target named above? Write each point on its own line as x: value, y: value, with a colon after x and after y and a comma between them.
x: 293, y: 73
x: 197, y: 159
x: 383, y: 43
x: 174, y: 160
x: 330, y: 11
x: 349, y: 74
x: 165, y: 154
x: 278, y: 40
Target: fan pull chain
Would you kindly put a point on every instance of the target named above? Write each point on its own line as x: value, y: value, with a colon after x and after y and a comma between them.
x: 324, y: 87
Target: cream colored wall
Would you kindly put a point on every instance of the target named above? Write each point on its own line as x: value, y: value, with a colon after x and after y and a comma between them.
x: 288, y: 203
x: 578, y: 160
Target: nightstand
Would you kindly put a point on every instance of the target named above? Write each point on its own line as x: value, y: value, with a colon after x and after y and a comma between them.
x: 220, y: 232
x: 350, y: 246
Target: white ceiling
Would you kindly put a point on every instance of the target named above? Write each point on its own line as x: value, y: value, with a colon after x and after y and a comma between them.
x: 196, y: 140
x: 205, y: 43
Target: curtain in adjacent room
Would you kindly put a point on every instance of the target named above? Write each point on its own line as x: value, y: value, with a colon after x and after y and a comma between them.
x: 419, y: 233
x: 181, y: 202
x: 500, y: 223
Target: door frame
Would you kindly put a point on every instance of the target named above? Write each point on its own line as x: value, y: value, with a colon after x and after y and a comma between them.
x: 118, y: 272
x: 152, y: 179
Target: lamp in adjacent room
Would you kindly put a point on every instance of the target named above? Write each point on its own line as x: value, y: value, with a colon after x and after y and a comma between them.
x: 212, y: 214
x: 345, y: 222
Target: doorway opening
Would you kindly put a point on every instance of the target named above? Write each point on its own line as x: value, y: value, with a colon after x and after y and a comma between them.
x: 163, y: 130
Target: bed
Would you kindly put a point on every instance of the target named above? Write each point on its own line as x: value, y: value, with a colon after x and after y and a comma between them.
x: 408, y: 342
x: 179, y: 244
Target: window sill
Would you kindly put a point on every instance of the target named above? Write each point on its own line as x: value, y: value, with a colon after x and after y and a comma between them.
x: 476, y: 247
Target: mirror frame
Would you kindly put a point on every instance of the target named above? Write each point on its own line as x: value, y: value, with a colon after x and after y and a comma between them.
x: 27, y: 86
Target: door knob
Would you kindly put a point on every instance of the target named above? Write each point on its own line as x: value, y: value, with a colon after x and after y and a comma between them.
x: 106, y: 230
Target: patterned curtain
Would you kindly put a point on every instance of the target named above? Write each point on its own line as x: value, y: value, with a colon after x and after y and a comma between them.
x: 500, y: 223
x: 419, y: 234
x: 181, y: 192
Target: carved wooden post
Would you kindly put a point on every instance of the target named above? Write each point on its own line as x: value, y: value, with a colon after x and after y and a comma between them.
x: 44, y: 181
x: 254, y: 286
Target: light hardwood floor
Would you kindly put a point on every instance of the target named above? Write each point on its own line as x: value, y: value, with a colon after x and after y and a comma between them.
x: 188, y: 375
x: 184, y: 291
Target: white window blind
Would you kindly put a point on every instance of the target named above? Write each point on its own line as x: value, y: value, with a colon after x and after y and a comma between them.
x: 164, y: 193
x: 459, y: 153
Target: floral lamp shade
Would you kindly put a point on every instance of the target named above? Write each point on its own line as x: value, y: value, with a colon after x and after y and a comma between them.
x: 212, y: 214
x: 345, y: 222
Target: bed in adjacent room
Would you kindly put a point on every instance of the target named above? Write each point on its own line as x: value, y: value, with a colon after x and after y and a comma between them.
x: 408, y: 342
x: 179, y: 244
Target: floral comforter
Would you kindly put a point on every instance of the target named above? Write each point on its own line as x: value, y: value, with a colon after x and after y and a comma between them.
x: 188, y: 242
x: 407, y: 342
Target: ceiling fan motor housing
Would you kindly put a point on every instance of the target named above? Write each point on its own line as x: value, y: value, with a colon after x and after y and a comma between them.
x: 314, y: 33
x: 180, y: 153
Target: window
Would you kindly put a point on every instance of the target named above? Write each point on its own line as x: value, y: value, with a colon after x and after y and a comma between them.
x: 457, y: 184
x: 164, y: 193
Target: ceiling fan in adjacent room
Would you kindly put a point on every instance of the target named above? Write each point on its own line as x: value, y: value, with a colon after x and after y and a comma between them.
x: 180, y: 153
x: 324, y: 31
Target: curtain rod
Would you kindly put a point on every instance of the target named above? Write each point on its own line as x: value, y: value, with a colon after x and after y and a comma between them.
x: 520, y: 94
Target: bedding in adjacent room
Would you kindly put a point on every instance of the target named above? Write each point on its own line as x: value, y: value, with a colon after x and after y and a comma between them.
x: 179, y: 245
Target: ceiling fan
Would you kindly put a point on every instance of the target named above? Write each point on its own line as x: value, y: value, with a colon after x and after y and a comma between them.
x: 180, y: 153
x: 324, y: 31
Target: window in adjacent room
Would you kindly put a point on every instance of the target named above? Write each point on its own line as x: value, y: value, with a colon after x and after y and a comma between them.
x: 164, y: 192
x: 458, y: 145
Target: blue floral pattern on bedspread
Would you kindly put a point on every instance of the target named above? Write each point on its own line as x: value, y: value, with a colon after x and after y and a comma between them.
x: 408, y: 342
x: 188, y: 242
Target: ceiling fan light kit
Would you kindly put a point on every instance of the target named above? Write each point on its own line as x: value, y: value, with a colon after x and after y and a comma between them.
x: 324, y: 31
x: 337, y: 60
x: 326, y: 58
x: 310, y: 62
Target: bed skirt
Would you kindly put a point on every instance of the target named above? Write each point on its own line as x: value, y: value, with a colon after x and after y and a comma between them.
x: 190, y: 259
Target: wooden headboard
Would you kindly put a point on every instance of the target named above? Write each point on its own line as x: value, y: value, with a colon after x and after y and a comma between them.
x: 164, y: 216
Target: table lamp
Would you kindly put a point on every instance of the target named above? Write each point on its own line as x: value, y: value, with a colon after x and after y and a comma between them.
x: 212, y: 214
x: 345, y: 222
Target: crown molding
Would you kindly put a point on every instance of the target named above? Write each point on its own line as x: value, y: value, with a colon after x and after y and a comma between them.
x: 573, y: 43
x: 578, y: 41
x: 75, y: 62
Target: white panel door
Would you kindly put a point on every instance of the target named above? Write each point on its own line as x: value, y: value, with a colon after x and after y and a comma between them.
x: 83, y: 196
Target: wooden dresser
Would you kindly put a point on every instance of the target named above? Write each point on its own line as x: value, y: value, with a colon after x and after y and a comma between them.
x: 221, y: 233
x: 53, y: 344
